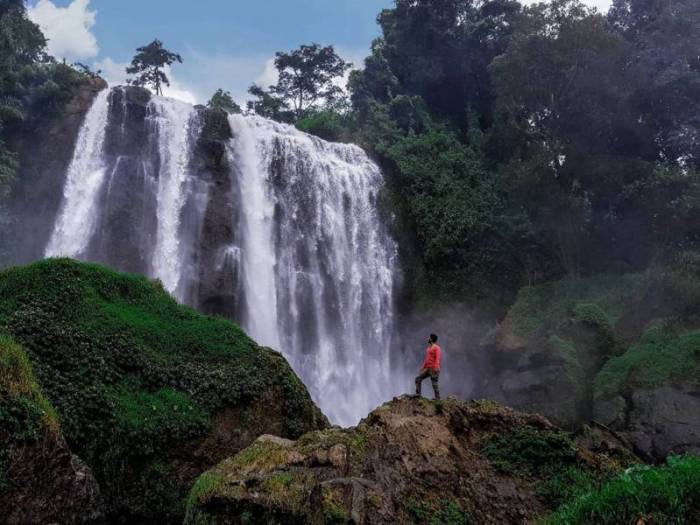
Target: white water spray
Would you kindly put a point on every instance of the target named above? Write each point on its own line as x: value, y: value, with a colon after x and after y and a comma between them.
x: 172, y: 121
x: 86, y: 174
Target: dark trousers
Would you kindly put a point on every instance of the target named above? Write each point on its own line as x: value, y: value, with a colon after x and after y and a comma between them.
x: 434, y: 376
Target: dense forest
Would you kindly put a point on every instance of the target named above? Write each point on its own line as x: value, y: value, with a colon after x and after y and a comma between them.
x: 529, y: 143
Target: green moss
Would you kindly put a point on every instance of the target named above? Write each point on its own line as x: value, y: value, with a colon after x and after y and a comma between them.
x: 205, y: 486
x: 664, y: 495
x: 540, y: 310
x: 441, y: 512
x: 567, y: 352
x: 132, y: 374
x: 25, y: 414
x: 661, y: 355
x: 593, y: 315
x: 530, y: 451
x: 262, y: 456
x: 156, y: 418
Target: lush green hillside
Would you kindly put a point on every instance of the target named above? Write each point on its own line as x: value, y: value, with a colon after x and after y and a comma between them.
x: 147, y: 392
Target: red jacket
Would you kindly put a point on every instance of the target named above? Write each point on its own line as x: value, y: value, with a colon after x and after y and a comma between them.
x: 432, y: 357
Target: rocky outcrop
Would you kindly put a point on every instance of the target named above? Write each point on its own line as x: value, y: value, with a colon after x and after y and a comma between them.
x: 410, y: 461
x: 657, y: 421
x: 49, y: 484
x: 149, y: 393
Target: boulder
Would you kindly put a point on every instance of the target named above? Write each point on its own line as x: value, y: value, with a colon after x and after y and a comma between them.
x: 657, y: 421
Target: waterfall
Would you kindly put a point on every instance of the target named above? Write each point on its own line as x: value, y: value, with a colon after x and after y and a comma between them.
x: 172, y: 120
x: 280, y: 232
x: 317, y: 264
x: 86, y: 172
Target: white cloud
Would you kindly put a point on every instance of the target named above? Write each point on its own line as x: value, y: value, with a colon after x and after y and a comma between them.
x: 68, y: 29
x: 269, y: 74
x: 115, y: 74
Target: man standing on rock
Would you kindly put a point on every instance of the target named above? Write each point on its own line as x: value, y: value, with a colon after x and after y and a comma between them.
x: 431, y: 366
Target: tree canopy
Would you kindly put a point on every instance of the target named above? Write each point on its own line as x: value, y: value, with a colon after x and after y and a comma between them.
x: 306, y: 78
x: 148, y: 65
x: 224, y: 101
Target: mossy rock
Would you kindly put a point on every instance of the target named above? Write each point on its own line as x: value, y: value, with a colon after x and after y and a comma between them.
x: 662, y: 355
x: 40, y: 480
x: 410, y: 461
x: 148, y: 392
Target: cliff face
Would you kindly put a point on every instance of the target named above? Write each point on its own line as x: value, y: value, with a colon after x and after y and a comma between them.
x: 149, y: 393
x: 621, y: 350
x: 409, y: 461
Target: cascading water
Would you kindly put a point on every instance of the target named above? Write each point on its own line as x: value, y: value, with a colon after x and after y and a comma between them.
x: 86, y: 173
x: 282, y: 234
x: 317, y: 264
x: 173, y: 120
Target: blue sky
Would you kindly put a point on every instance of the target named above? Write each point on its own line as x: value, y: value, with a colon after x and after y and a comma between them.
x: 224, y: 43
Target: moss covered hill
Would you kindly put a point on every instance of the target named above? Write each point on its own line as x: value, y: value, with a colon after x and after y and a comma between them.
x: 410, y: 461
x: 147, y: 392
x: 621, y: 349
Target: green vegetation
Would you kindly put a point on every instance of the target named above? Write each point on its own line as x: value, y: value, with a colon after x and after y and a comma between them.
x: 662, y: 354
x: 443, y: 512
x: 528, y: 451
x: 223, y: 101
x: 664, y: 495
x: 543, y: 309
x: 26, y: 412
x: 305, y: 82
x: 148, y: 64
x: 26, y: 416
x: 134, y: 376
x: 34, y: 88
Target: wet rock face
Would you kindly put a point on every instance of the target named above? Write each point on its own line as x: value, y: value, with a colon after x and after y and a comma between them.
x: 532, y: 380
x: 658, y: 422
x: 49, y: 484
x: 409, y: 457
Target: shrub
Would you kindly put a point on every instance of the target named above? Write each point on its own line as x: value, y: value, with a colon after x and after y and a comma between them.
x: 529, y: 451
x: 659, y: 356
x: 664, y: 495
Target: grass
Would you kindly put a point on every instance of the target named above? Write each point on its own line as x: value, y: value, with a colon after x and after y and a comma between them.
x: 664, y: 495
x: 442, y: 512
x: 25, y: 413
x: 660, y: 356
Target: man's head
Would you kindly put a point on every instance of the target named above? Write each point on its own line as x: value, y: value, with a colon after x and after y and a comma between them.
x: 432, y: 339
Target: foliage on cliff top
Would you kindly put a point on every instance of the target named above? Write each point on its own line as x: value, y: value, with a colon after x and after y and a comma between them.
x: 130, y: 372
x: 664, y: 495
x: 661, y: 355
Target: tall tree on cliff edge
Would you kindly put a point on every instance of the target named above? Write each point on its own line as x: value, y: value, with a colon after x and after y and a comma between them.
x: 306, y: 78
x: 148, y: 65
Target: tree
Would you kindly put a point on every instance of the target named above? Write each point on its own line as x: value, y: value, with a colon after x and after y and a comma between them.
x: 222, y: 100
x: 306, y: 78
x: 148, y: 64
x: 268, y: 105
